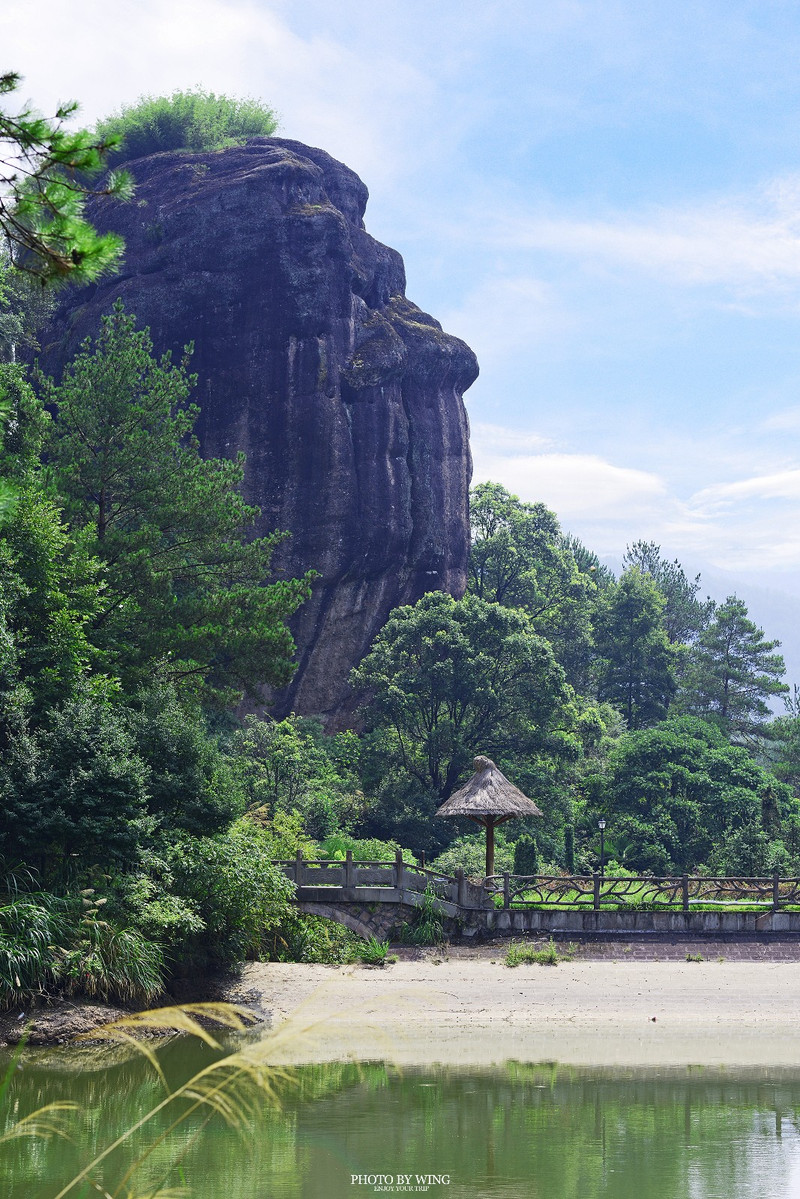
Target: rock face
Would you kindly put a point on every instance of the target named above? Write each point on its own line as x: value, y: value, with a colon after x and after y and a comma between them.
x: 344, y: 396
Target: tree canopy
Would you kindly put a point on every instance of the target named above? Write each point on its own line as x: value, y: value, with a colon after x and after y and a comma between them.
x: 185, y: 590
x: 448, y: 678
x: 636, y: 663
x: 45, y: 179
x: 733, y: 670
x: 520, y: 559
x: 675, y: 791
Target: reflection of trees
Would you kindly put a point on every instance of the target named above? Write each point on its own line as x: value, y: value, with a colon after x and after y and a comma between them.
x: 528, y: 1130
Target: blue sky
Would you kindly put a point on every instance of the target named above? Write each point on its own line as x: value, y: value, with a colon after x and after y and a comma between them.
x: 602, y: 197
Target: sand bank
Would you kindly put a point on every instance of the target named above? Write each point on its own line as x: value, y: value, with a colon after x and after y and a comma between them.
x: 593, y: 1013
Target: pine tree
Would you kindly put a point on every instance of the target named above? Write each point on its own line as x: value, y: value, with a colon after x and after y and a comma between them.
x: 45, y: 173
x: 635, y: 662
x: 732, y: 670
x: 185, y: 591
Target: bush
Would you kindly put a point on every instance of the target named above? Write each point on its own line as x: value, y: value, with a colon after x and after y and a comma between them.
x: 30, y: 929
x: 518, y: 955
x: 748, y: 851
x: 306, y: 938
x: 190, y: 120
x: 190, y: 783
x: 113, y: 963
x: 49, y: 940
x: 364, y: 850
x: 374, y: 952
x: 239, y: 894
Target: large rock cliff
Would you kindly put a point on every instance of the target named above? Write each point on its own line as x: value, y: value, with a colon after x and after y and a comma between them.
x: 345, y: 397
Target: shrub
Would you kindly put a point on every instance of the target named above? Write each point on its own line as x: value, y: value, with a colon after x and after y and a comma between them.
x: 374, y: 952
x: 190, y: 120
x: 234, y: 887
x: 30, y: 928
x: 365, y: 850
x: 526, y: 855
x: 307, y: 938
x: 49, y: 940
x: 113, y: 963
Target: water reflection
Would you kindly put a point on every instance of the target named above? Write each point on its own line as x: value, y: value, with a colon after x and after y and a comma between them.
x: 518, y: 1130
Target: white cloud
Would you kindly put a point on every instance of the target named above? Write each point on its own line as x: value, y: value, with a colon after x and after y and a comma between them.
x: 784, y: 485
x: 750, y: 242
x: 573, y: 485
x: 329, y: 94
x: 783, y: 422
x: 498, y: 438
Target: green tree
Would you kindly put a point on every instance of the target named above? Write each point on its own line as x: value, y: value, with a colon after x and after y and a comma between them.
x: 635, y: 662
x: 521, y: 559
x: 191, y: 783
x: 75, y: 789
x: 684, y: 615
x: 50, y: 585
x: 781, y: 742
x: 673, y: 793
x: 45, y: 173
x: 185, y: 591
x: 290, y: 765
x: 449, y: 678
x: 190, y: 120
x: 732, y: 671
x: 24, y: 307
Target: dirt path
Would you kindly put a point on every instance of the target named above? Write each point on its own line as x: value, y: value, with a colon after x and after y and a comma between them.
x: 475, y: 1010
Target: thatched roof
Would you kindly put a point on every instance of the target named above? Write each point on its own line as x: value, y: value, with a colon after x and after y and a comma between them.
x: 488, y: 793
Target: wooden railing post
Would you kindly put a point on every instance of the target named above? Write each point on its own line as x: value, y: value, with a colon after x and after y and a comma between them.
x: 399, y: 871
x: 349, y: 876
x: 685, y: 891
x: 461, y: 887
x: 596, y: 892
x: 506, y: 890
x: 298, y: 869
x: 776, y: 891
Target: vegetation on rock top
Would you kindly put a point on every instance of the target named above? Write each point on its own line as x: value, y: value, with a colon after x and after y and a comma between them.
x: 186, y: 120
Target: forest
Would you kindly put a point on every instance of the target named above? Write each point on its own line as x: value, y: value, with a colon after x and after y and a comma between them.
x: 142, y: 813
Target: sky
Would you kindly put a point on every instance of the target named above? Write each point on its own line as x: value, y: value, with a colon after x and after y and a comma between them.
x: 601, y: 197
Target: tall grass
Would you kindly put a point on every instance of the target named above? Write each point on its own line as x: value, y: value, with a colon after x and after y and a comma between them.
x: 427, y: 925
x: 234, y: 1088
x: 30, y: 932
x: 49, y: 941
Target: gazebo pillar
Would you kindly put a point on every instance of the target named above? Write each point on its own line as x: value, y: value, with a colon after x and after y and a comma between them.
x: 489, y: 845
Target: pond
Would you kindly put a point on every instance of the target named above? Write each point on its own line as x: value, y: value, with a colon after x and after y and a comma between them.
x: 345, y: 1130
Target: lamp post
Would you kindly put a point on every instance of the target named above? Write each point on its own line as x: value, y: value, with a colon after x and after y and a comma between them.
x: 601, y: 824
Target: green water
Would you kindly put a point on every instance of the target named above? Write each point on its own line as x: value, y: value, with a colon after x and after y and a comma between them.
x: 519, y: 1130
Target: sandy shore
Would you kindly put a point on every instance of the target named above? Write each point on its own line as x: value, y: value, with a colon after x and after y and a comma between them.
x: 594, y: 1013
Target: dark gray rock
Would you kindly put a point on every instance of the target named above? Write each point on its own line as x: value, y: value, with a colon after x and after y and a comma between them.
x: 345, y: 397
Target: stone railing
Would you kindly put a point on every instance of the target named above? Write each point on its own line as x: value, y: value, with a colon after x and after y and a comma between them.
x: 333, y: 880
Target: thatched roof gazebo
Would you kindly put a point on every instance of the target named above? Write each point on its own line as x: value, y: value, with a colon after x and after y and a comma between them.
x: 488, y: 799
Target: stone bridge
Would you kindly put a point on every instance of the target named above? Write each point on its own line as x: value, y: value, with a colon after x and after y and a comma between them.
x: 375, y: 898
